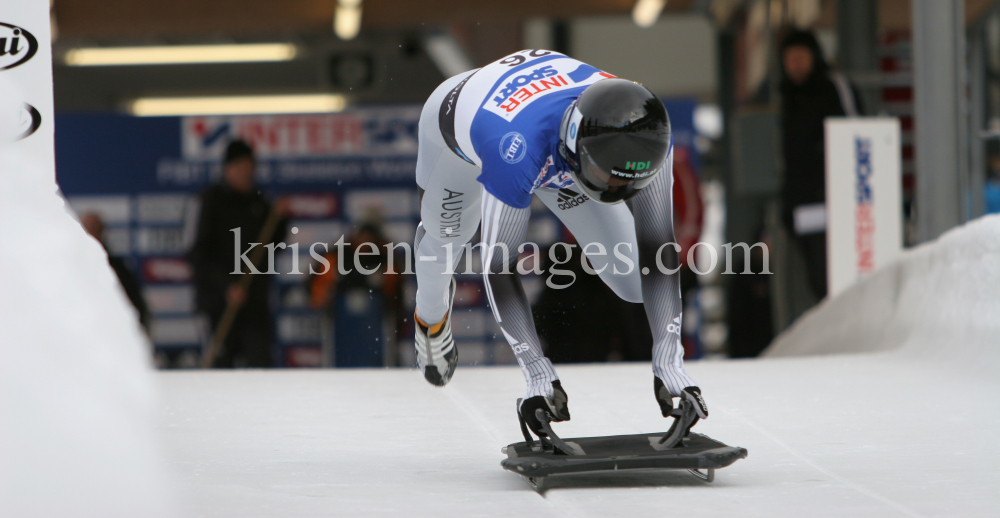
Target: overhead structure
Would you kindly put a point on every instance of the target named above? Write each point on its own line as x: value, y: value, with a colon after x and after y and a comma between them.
x: 646, y: 12
x: 347, y: 19
x: 237, y: 105
x: 179, y: 54
x: 102, y: 19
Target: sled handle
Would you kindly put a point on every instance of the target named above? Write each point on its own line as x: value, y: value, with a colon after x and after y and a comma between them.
x: 558, y: 444
x: 524, y: 426
x: 684, y: 417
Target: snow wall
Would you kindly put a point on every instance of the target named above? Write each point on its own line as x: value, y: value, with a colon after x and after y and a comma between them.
x: 940, y: 302
x: 78, y: 434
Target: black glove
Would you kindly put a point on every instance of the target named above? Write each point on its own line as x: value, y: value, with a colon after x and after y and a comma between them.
x: 692, y: 394
x: 556, y: 409
x: 665, y: 399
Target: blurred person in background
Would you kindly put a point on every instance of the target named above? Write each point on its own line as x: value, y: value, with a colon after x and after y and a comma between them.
x: 94, y: 226
x: 362, y: 305
x: 750, y: 321
x: 235, y: 202
x: 809, y: 94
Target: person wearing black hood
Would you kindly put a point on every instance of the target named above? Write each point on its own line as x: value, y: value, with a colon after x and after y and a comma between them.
x: 810, y: 93
x: 235, y: 202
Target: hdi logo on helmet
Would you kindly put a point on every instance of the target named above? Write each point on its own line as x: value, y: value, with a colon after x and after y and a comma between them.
x: 16, y: 46
x: 637, y: 166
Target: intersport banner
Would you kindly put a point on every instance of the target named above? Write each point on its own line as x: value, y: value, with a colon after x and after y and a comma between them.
x: 863, y: 197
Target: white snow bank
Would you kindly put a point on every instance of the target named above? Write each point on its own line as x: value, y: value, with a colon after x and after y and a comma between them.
x: 77, y: 435
x: 939, y: 301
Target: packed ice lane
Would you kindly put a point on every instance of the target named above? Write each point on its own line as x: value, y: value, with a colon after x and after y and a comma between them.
x: 376, y: 442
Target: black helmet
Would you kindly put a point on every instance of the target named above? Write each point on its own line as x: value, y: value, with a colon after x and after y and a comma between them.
x: 615, y: 137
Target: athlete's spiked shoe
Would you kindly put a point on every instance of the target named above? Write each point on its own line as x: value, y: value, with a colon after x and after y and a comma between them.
x: 436, y: 351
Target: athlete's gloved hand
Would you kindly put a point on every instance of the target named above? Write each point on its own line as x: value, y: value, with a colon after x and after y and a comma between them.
x: 665, y: 399
x: 556, y: 409
x: 692, y: 394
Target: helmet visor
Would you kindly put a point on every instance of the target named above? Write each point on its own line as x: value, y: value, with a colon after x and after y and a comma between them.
x: 607, y: 186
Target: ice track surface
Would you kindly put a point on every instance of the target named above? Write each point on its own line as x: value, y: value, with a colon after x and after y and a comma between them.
x: 911, y: 430
x: 843, y: 436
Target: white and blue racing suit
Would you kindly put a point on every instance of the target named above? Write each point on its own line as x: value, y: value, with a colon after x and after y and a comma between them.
x: 488, y: 142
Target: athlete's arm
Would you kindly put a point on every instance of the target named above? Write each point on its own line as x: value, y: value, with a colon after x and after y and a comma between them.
x: 503, y: 230
x: 652, y: 210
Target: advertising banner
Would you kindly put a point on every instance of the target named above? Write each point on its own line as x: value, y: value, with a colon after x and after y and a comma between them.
x: 143, y: 175
x: 863, y: 197
x: 26, y: 79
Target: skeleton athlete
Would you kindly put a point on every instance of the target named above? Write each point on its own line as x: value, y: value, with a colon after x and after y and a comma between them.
x: 540, y: 123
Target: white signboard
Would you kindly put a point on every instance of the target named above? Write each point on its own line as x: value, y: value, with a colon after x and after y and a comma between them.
x: 26, y: 79
x: 863, y: 197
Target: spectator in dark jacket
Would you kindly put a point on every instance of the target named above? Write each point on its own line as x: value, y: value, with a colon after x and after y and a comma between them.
x: 235, y: 203
x: 809, y: 94
x: 94, y: 226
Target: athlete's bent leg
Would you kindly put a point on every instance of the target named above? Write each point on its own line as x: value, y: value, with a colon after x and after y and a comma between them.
x: 449, y: 211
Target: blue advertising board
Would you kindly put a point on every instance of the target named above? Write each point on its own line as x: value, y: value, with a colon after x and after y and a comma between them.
x: 142, y: 176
